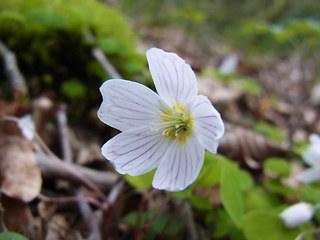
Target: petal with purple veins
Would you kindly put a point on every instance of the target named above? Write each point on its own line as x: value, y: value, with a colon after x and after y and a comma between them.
x: 180, y: 165
x: 135, y: 151
x: 174, y: 79
x: 207, y: 123
x: 127, y: 104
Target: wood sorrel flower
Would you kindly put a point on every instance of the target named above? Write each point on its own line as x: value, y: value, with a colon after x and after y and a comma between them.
x: 312, y: 157
x: 168, y: 131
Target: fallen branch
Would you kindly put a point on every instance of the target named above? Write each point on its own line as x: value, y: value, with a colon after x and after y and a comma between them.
x: 92, y: 222
x: 102, y: 58
x: 63, y: 133
x: 61, y: 170
x: 16, y: 81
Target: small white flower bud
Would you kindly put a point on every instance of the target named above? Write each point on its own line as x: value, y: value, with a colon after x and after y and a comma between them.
x: 297, y: 214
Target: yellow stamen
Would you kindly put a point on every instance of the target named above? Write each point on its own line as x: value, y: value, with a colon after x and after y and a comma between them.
x: 176, y: 123
x: 184, y: 137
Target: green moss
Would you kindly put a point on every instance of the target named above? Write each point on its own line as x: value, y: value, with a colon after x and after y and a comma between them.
x: 51, y: 38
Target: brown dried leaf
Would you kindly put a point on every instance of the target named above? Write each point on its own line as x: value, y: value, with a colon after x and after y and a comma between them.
x: 17, y: 214
x: 20, y: 175
x: 58, y: 228
x: 13, y: 108
x: 249, y: 147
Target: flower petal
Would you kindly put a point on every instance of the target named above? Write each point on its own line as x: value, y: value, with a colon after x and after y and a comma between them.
x: 174, y: 79
x: 180, y: 165
x: 312, y: 155
x: 136, y: 151
x: 297, y: 214
x: 127, y: 104
x: 314, y: 138
x: 208, y: 124
x: 309, y: 175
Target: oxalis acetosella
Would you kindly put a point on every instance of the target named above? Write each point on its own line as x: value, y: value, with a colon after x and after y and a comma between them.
x: 168, y: 131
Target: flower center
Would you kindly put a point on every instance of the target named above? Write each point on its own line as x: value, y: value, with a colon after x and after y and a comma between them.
x: 176, y: 122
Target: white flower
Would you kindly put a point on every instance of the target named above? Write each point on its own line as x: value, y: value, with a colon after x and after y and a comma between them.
x: 297, y: 214
x: 312, y: 157
x: 168, y: 131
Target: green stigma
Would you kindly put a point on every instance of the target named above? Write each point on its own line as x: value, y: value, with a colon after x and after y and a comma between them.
x: 176, y: 122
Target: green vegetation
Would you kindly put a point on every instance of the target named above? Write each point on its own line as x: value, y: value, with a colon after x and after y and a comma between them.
x: 54, y: 51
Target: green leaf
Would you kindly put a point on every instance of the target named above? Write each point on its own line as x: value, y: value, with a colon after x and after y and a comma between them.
x: 278, y: 187
x: 231, y: 194
x: 142, y: 182
x: 258, y: 198
x: 158, y: 225
x: 223, y: 224
x: 73, y: 89
x: 246, y: 181
x: 271, y: 131
x: 264, y: 225
x: 250, y: 86
x: 13, y: 15
x: 11, y: 236
x: 201, y: 203
x: 48, y: 18
x: 310, y: 193
x: 278, y: 166
x: 110, y: 46
x: 211, y: 171
x: 299, y: 147
x: 184, y: 193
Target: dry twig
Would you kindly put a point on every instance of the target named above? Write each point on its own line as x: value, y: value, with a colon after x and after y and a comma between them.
x: 15, y: 79
x: 102, y: 58
x: 89, y: 218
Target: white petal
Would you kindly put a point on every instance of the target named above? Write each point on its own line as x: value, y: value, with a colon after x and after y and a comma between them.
x: 314, y: 138
x: 312, y: 155
x: 180, y: 166
x: 136, y: 151
x: 127, y: 104
x: 297, y: 214
x: 174, y: 79
x: 207, y: 123
x: 309, y: 175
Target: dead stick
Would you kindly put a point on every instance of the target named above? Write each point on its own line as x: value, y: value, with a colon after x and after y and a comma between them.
x: 187, y: 216
x: 15, y: 78
x: 51, y: 168
x: 63, y: 132
x: 91, y: 221
x: 102, y: 58
x: 70, y: 199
